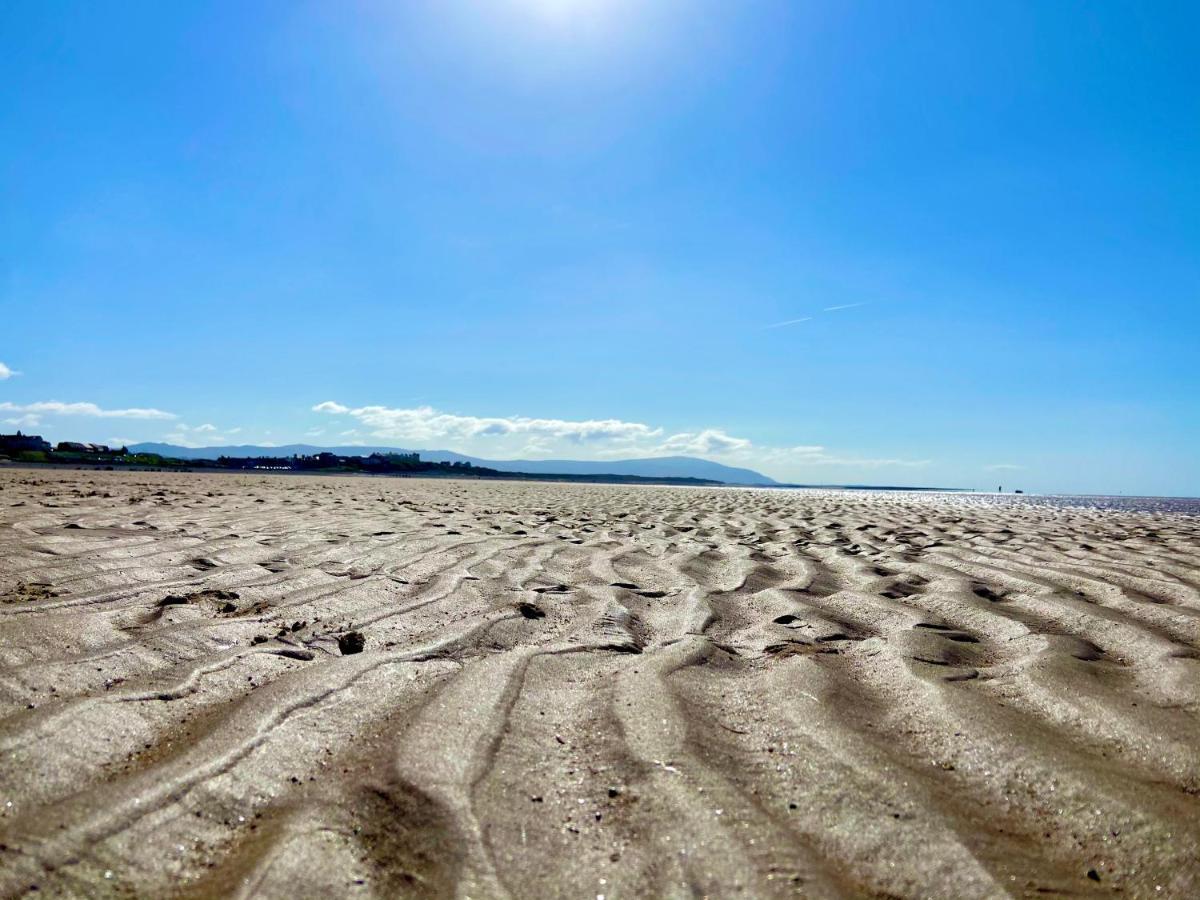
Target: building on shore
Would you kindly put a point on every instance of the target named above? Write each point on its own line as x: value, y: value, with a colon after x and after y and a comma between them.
x: 20, y: 443
x: 78, y: 447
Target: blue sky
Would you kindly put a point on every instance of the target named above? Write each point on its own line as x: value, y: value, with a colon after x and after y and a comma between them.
x: 575, y: 228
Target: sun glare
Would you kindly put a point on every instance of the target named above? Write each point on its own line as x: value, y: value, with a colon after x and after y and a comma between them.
x: 588, y: 13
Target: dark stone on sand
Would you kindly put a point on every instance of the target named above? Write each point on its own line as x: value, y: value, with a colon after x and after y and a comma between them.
x: 259, y: 639
x: 986, y: 593
x: 351, y: 642
x: 173, y: 600
x: 228, y: 608
x: 530, y: 611
x: 297, y: 653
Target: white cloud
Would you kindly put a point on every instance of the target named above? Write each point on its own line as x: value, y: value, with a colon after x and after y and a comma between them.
x: 181, y: 439
x: 6, y: 372
x: 206, y: 435
x: 1003, y: 467
x: 424, y: 423
x: 539, y: 446
x: 843, y: 306
x: 791, y: 322
x: 710, y: 440
x: 513, y: 436
x: 55, y: 408
x: 330, y: 407
x: 26, y: 421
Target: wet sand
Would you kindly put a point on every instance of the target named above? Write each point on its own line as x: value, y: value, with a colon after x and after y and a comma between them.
x: 230, y: 684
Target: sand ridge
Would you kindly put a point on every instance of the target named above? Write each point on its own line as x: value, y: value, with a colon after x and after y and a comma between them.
x: 585, y: 690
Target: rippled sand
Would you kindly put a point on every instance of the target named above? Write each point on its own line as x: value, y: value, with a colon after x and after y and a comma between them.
x: 570, y: 690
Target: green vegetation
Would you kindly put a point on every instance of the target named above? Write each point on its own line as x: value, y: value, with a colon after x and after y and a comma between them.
x: 327, y: 463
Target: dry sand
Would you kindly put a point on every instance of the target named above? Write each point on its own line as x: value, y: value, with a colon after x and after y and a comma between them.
x: 588, y: 691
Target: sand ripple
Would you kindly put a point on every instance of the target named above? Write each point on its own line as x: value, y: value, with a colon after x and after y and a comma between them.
x: 581, y: 690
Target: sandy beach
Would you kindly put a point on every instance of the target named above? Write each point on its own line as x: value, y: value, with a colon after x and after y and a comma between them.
x: 220, y: 685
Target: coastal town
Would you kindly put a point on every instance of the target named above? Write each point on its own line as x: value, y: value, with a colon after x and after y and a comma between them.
x: 33, y: 450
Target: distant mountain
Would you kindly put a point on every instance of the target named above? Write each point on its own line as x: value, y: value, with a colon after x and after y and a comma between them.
x: 654, y: 467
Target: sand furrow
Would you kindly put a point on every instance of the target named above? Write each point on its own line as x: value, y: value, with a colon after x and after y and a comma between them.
x: 245, y: 685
